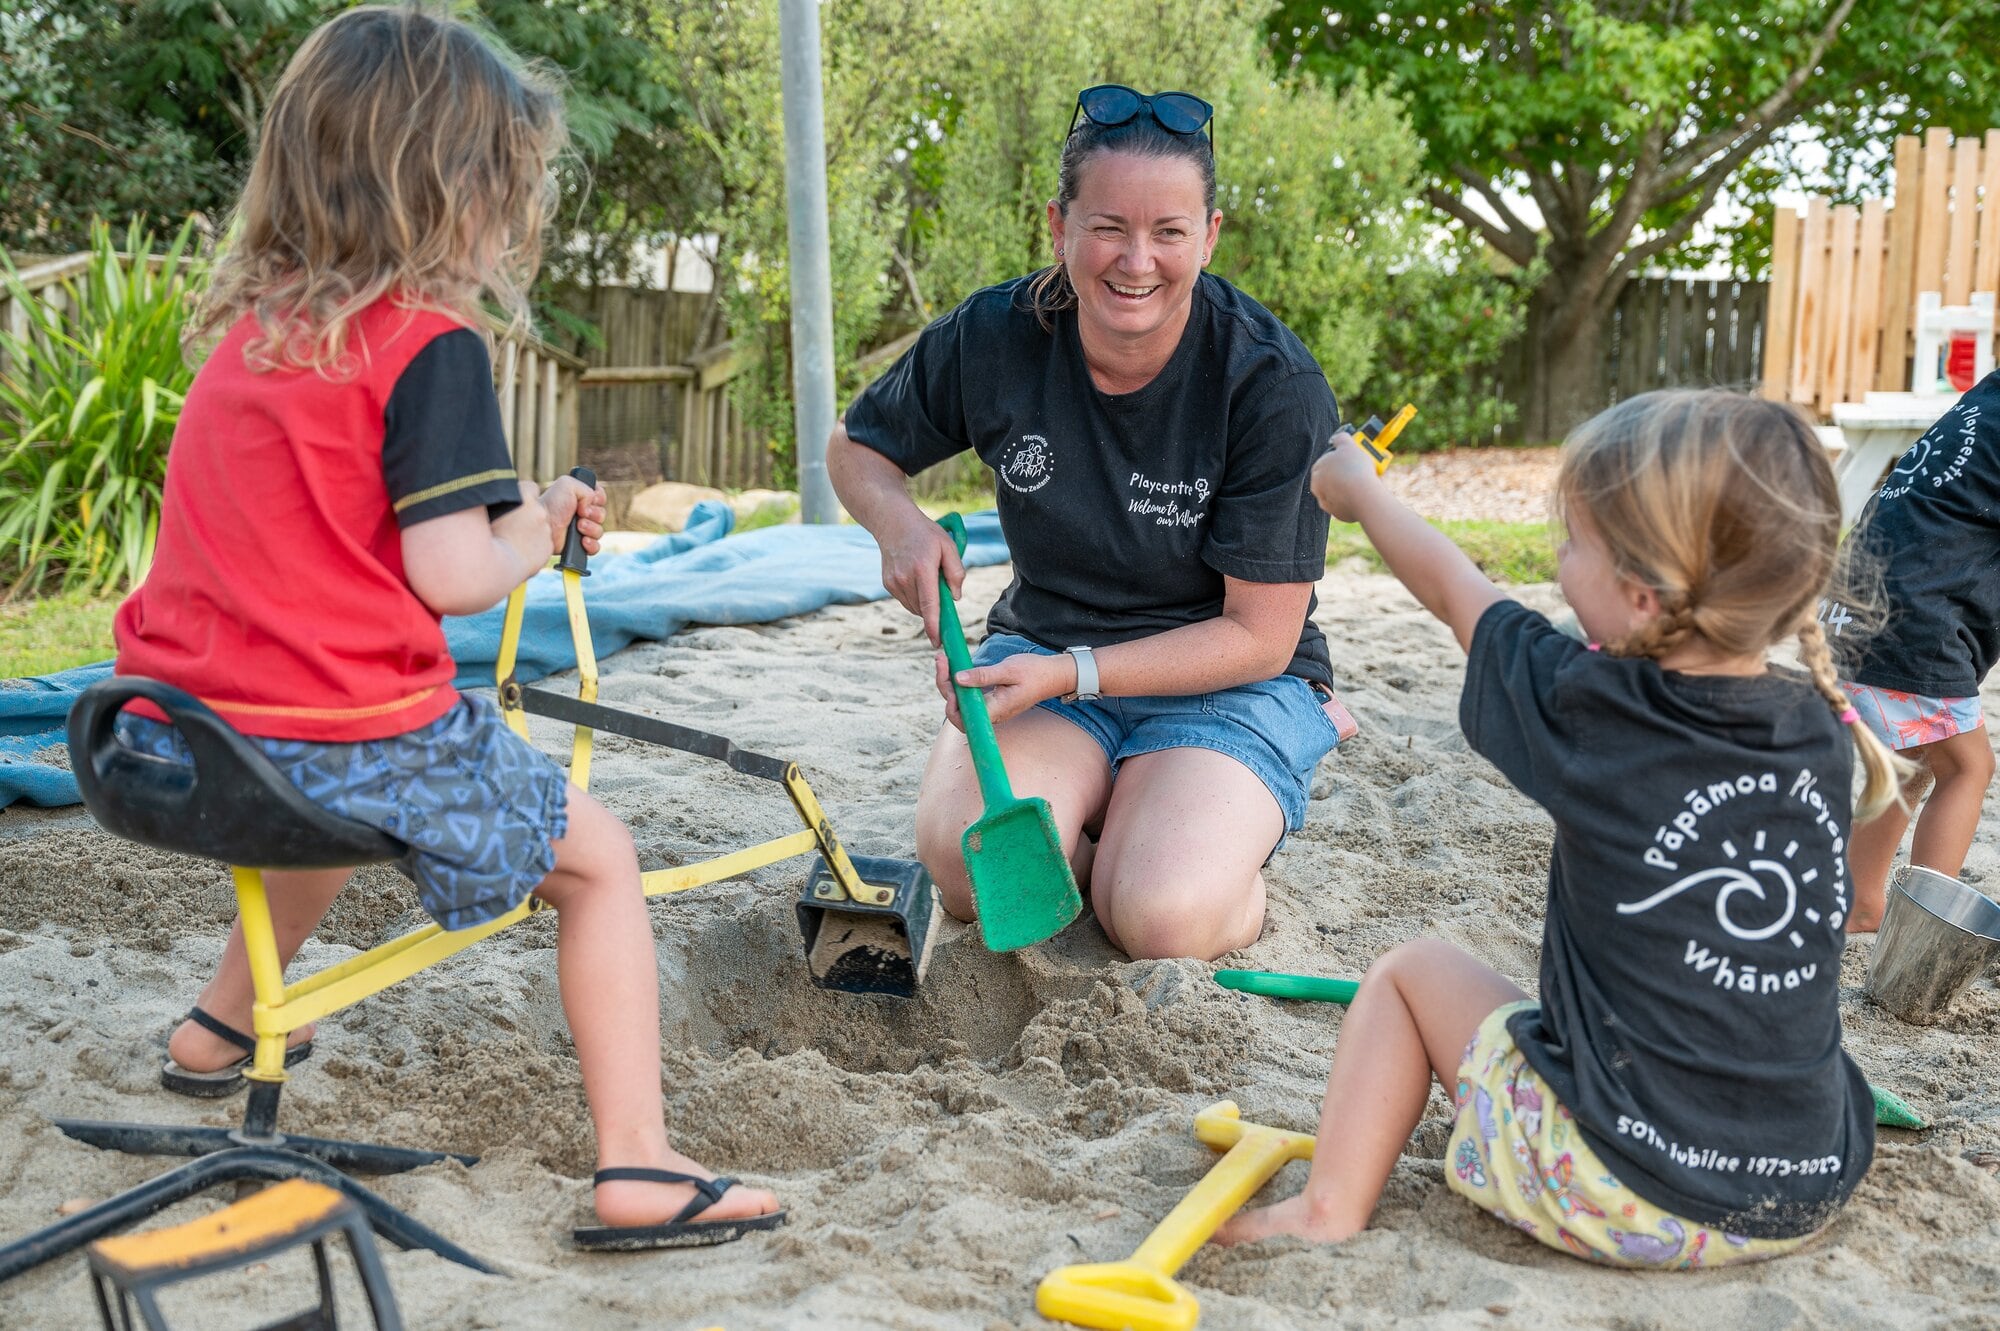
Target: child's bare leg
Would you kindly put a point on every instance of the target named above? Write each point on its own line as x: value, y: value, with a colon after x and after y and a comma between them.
x: 611, y: 995
x: 299, y: 899
x: 1871, y: 851
x: 1964, y: 768
x: 1417, y: 1009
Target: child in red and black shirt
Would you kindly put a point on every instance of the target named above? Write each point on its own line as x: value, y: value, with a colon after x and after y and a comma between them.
x: 338, y: 481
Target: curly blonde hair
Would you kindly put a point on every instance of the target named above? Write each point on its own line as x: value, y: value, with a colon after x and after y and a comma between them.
x: 1725, y: 505
x: 403, y: 155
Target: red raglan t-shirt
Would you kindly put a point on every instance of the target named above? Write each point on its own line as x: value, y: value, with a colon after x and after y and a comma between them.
x: 276, y: 593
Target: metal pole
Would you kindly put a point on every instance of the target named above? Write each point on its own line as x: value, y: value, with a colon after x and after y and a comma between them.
x: 811, y: 271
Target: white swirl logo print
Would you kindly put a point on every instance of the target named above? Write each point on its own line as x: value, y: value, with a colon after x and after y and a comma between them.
x: 1763, y: 879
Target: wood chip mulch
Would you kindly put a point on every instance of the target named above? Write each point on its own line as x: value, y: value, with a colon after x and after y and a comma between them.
x: 1485, y: 484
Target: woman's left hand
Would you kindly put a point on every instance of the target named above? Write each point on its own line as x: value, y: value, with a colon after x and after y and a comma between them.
x: 1011, y: 686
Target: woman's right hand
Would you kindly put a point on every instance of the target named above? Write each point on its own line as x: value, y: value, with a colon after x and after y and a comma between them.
x: 914, y: 552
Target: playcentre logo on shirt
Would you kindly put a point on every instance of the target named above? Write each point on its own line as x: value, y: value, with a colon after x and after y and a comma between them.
x: 1168, y: 503
x: 1768, y: 884
x: 1028, y: 464
x: 1939, y: 457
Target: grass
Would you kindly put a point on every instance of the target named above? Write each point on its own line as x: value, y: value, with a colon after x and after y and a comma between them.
x: 40, y: 637
x: 1513, y: 552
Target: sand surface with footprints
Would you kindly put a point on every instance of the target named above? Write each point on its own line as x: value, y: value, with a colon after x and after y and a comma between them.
x: 941, y: 1154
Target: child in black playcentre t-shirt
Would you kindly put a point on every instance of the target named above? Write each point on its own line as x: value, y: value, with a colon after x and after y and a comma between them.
x: 1934, y: 528
x: 1678, y: 1096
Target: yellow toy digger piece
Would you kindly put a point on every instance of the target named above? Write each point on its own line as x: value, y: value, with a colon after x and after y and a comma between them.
x: 1140, y: 1293
x: 1376, y: 437
x: 866, y: 921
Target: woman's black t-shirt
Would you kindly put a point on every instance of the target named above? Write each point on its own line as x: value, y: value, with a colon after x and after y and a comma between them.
x: 1123, y: 512
x: 1698, y: 888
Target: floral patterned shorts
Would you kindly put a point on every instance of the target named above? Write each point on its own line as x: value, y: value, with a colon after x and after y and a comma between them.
x: 1516, y: 1152
x: 1905, y: 720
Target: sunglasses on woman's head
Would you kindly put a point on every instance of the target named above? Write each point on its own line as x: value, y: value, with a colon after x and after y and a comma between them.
x: 1110, y: 104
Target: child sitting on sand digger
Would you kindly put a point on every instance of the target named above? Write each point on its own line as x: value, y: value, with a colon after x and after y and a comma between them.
x: 338, y: 481
x: 1678, y: 1095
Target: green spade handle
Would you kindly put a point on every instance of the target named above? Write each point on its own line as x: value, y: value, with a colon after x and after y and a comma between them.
x: 979, y: 736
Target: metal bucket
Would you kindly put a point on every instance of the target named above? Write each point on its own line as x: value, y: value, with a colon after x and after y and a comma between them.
x: 1936, y: 937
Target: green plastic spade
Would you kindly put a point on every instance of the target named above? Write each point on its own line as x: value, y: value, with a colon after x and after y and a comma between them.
x: 1021, y: 880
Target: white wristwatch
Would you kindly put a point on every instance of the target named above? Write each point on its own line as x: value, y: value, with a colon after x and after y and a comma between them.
x: 1086, y: 676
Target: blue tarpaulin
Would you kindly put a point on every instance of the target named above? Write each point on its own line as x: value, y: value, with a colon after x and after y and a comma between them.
x: 689, y: 577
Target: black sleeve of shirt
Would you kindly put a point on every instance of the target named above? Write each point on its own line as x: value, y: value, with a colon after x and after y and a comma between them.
x: 915, y: 414
x: 443, y: 448
x: 1512, y: 710
x: 1267, y: 527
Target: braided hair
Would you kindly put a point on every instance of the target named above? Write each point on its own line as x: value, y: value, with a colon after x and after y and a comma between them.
x: 1724, y: 505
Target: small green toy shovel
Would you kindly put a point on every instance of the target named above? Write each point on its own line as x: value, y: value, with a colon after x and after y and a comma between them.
x: 1021, y: 881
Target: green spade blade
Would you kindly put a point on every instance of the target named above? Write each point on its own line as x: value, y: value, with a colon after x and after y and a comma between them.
x: 1893, y: 1111
x: 1021, y: 880
x: 1276, y: 984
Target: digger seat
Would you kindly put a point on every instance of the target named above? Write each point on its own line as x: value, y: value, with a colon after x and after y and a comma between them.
x: 233, y: 805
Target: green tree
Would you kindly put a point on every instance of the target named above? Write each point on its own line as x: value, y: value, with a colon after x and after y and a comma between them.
x: 153, y: 106
x: 944, y: 130
x: 871, y: 55
x: 1626, y: 120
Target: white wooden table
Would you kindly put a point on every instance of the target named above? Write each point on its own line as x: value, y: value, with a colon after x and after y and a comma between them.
x: 1875, y: 432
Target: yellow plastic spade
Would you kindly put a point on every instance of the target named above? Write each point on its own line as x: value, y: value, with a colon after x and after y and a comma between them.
x: 1376, y: 437
x: 1141, y: 1292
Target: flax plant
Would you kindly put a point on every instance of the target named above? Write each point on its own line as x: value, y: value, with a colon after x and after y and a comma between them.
x: 90, y: 389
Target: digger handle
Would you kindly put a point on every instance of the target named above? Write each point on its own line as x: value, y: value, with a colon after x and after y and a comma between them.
x: 573, y: 558
x: 979, y: 736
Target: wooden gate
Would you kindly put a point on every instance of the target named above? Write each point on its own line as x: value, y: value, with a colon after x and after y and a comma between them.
x: 1845, y: 278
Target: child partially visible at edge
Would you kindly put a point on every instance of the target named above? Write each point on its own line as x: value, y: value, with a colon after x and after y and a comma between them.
x: 1934, y: 530
x: 338, y: 481
x: 1678, y: 1095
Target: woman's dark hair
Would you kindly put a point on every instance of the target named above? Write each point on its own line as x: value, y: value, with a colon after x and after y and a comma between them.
x: 1050, y: 292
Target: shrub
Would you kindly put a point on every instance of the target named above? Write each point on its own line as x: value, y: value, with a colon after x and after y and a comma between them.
x: 88, y: 401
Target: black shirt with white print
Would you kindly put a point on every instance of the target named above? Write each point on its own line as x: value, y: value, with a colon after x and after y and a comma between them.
x: 1689, y: 1015
x: 1122, y: 512
x: 1934, y: 530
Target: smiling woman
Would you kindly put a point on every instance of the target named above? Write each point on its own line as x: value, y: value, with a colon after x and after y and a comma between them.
x: 1153, y: 669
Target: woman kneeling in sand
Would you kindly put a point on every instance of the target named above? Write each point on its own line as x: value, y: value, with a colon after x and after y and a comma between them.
x: 1153, y: 670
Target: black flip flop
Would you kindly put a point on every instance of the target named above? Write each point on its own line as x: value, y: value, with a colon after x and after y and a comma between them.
x: 683, y: 1231
x: 228, y: 1079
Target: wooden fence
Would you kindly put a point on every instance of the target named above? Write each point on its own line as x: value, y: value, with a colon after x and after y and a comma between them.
x: 1664, y: 332
x: 648, y: 384
x: 1845, y: 279
x: 537, y: 383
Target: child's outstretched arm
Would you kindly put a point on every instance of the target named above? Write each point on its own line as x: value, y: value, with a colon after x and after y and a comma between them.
x: 1436, y: 571
x: 461, y: 564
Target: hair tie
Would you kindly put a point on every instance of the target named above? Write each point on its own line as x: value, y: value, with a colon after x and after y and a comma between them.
x: 1850, y: 717
x: 1593, y: 646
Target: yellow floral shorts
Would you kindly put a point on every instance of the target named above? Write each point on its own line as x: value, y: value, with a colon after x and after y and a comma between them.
x: 1516, y: 1152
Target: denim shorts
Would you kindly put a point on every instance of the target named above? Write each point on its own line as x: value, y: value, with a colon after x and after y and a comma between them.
x: 476, y: 805
x: 1275, y: 727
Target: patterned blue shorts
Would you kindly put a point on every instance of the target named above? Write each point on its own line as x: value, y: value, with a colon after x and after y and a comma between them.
x: 475, y: 804
x: 1276, y: 727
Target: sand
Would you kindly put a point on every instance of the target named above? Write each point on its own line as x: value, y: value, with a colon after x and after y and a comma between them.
x: 939, y: 1155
